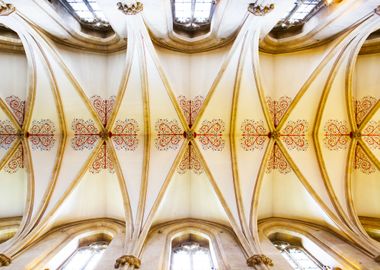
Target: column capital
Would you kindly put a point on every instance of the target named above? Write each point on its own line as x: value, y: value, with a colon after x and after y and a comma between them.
x: 130, y: 8
x: 6, y: 9
x: 260, y: 10
x: 258, y: 259
x: 128, y: 259
x: 4, y: 260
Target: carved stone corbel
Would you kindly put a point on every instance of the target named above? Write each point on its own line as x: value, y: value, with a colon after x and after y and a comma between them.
x: 259, y: 259
x: 260, y: 10
x: 128, y: 259
x: 130, y: 8
x: 5, y: 260
x: 6, y: 9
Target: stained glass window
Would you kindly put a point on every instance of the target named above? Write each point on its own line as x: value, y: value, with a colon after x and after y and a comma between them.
x: 298, y: 257
x: 191, y: 256
x: 85, y: 258
x: 300, y: 12
x: 192, y: 15
x: 87, y: 12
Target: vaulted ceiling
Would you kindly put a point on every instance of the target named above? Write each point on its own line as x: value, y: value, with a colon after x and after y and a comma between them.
x: 148, y: 126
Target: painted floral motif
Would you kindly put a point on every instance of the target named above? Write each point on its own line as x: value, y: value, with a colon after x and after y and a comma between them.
x: 17, y: 107
x: 86, y: 134
x: 254, y: 134
x: 371, y: 134
x: 190, y: 162
x: 210, y: 135
x: 336, y: 135
x: 294, y: 135
x: 103, y: 107
x: 124, y: 134
x: 362, y: 161
x: 16, y: 162
x: 277, y: 161
x: 190, y: 108
x: 8, y: 134
x: 41, y: 134
x: 363, y: 107
x: 278, y: 108
x: 169, y: 134
x: 103, y: 161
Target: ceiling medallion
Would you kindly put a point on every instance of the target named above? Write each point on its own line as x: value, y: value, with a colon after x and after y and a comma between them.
x: 130, y: 8
x: 6, y: 9
x: 260, y: 10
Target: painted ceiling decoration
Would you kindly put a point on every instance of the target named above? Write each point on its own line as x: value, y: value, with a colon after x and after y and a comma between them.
x: 147, y: 141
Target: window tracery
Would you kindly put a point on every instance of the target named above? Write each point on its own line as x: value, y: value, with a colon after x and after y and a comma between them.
x: 192, y: 16
x: 191, y: 256
x: 88, y: 13
x: 298, y: 257
x: 85, y: 258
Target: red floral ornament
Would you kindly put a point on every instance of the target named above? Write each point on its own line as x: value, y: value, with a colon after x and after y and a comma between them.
x: 371, y: 134
x: 254, y: 135
x: 190, y: 162
x: 363, y: 107
x: 277, y: 161
x: 8, y: 134
x: 103, y: 161
x: 125, y: 134
x: 16, y: 162
x: 294, y: 135
x: 210, y: 135
x: 41, y: 134
x: 362, y: 162
x: 336, y: 135
x: 103, y: 107
x: 17, y: 107
x: 278, y: 108
x: 85, y: 134
x: 190, y: 108
x: 169, y: 134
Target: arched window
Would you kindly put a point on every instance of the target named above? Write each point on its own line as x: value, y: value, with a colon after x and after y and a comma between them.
x: 191, y: 252
x: 298, y: 257
x: 81, y: 253
x: 85, y: 258
x: 192, y: 17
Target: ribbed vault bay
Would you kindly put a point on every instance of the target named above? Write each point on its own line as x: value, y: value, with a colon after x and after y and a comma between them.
x: 148, y: 135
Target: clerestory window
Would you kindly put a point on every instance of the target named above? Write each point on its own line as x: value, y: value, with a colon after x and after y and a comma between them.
x: 88, y: 13
x: 192, y: 16
x: 298, y: 257
x: 85, y: 258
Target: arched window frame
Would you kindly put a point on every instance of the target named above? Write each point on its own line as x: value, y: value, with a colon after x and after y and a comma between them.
x: 192, y: 248
x: 96, y: 248
x: 286, y: 250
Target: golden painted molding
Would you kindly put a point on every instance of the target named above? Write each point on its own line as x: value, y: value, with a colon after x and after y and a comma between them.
x: 6, y: 9
x: 258, y: 259
x: 128, y: 259
x: 260, y: 10
x: 130, y: 9
x: 4, y: 260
